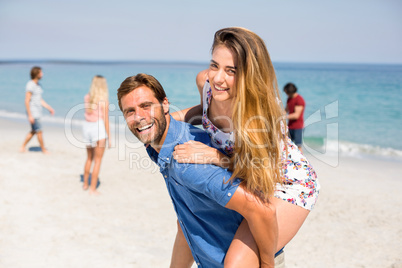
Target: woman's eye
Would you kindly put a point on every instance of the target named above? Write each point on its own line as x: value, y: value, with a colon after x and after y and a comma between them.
x: 213, y: 66
x: 231, y: 71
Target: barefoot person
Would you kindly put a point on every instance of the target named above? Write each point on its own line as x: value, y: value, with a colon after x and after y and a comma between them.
x: 210, y: 204
x: 33, y: 106
x: 239, y: 94
x: 95, y: 130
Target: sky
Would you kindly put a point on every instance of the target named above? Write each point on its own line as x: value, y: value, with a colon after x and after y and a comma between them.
x: 342, y: 31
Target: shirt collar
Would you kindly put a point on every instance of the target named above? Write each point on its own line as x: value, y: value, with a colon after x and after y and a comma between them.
x: 171, y: 140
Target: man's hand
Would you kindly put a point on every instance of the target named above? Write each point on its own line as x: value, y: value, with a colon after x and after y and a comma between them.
x: 31, y: 119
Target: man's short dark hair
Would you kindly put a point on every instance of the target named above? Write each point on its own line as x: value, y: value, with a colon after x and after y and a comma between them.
x: 290, y: 88
x: 133, y: 82
x: 35, y: 72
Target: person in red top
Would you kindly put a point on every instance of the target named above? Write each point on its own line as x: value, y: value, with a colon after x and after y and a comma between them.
x: 295, y: 106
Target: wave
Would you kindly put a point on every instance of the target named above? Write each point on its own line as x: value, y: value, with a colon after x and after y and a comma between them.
x: 334, y: 147
x: 317, y: 144
x: 48, y: 119
x: 54, y: 120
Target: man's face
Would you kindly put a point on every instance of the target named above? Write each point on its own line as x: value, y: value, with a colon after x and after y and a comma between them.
x: 145, y: 116
x: 40, y: 75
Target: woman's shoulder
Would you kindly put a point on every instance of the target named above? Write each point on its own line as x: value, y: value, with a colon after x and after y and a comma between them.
x: 201, y: 79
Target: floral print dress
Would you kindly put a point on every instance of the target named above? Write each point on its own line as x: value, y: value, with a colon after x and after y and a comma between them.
x: 300, y: 184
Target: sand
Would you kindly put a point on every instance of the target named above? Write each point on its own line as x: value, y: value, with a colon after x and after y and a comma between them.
x: 47, y: 220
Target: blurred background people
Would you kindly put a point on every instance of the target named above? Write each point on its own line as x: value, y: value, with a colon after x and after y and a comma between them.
x: 295, y: 106
x: 95, y: 130
x: 33, y: 106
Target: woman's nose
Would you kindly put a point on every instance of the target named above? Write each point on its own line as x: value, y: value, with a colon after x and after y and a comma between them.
x: 219, y: 77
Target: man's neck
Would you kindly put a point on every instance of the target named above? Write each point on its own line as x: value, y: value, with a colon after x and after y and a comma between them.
x: 157, y: 147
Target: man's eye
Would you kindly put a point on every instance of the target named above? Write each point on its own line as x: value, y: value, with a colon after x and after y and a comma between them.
x: 213, y: 66
x: 128, y: 113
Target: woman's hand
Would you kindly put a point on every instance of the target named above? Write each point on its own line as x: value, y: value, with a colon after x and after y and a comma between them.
x: 195, y: 152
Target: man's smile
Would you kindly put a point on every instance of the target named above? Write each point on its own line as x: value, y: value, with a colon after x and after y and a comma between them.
x: 146, y: 127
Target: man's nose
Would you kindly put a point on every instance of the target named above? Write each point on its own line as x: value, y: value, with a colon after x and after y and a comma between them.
x: 139, y: 116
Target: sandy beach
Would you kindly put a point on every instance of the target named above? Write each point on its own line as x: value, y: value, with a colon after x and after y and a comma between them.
x: 47, y: 220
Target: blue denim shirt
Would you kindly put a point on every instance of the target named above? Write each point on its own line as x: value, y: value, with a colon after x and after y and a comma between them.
x: 199, y: 194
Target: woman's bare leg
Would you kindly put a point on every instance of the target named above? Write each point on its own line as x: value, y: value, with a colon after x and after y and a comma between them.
x: 87, y: 167
x: 290, y: 218
x: 243, y: 251
x: 98, y: 154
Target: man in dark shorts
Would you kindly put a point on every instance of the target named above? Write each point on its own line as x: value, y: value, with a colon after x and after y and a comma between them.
x: 33, y: 106
x: 295, y: 106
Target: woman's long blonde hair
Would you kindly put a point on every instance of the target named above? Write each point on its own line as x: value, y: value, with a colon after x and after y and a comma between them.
x: 98, y: 92
x: 257, y: 113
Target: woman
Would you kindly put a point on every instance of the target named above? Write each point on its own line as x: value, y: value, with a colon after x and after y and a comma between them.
x: 95, y: 129
x: 241, y: 111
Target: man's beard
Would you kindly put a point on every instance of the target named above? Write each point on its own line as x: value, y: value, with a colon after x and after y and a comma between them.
x: 153, y: 138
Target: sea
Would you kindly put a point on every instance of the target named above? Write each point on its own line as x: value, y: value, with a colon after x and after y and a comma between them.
x: 351, y: 109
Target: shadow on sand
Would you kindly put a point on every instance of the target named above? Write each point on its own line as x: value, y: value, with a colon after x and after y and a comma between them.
x: 35, y: 149
x: 89, y: 180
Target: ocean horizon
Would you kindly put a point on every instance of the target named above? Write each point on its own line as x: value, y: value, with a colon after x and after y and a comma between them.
x: 351, y: 108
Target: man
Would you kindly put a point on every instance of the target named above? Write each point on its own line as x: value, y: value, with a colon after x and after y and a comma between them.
x: 295, y: 108
x: 33, y: 106
x: 209, y: 207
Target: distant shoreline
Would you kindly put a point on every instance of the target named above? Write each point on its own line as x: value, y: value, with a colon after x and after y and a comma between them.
x: 101, y: 62
x: 167, y: 62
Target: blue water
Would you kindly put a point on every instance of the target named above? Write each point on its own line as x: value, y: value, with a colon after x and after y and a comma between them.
x: 362, y: 103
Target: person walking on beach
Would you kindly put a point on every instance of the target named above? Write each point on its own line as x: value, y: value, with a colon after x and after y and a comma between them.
x: 295, y: 107
x: 209, y: 203
x: 33, y: 106
x: 239, y: 94
x: 95, y: 130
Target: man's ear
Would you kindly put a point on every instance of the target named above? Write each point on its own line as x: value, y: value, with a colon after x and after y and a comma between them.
x: 165, y: 105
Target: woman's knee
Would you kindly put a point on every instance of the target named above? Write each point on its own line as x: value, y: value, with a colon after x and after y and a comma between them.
x: 241, y: 260
x: 243, y: 251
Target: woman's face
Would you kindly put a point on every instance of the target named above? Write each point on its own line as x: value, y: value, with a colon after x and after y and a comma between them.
x: 221, y: 74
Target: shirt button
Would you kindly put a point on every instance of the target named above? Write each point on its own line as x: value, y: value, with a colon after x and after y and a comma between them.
x: 165, y: 176
x: 198, y: 264
x: 229, y: 194
x: 167, y: 158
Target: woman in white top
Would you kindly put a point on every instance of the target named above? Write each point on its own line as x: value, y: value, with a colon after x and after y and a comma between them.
x: 95, y: 130
x: 241, y: 110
